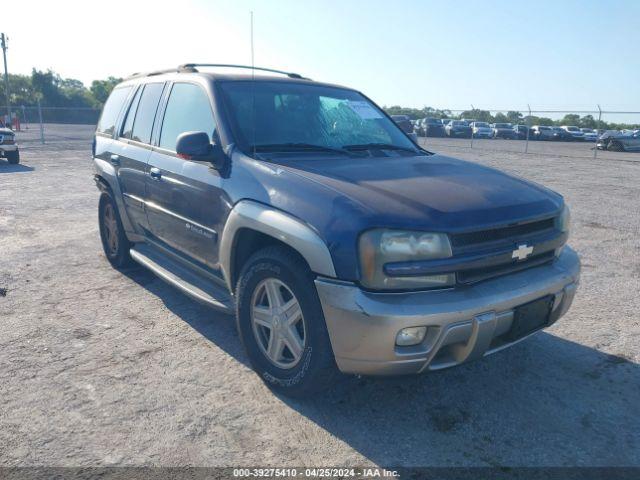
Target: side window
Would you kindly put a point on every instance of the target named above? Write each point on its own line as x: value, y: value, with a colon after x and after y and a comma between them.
x: 127, y: 129
x: 146, y: 112
x: 111, y: 110
x: 188, y: 110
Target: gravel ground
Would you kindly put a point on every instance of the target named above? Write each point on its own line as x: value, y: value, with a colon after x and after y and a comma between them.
x: 98, y: 367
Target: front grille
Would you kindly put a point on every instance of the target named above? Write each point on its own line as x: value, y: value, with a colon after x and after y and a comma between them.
x: 504, y: 233
x: 7, y: 139
x: 479, y: 274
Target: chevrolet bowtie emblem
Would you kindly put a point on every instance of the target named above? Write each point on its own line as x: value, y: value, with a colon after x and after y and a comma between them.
x: 522, y: 252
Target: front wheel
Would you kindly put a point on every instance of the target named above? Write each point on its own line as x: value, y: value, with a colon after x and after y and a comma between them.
x: 615, y: 146
x: 13, y: 157
x: 281, y: 325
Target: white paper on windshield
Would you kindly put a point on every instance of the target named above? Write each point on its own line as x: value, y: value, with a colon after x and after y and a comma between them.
x: 364, y: 110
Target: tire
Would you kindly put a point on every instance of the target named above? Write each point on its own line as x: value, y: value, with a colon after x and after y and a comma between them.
x: 13, y: 157
x: 115, y: 244
x: 312, y: 369
x: 615, y: 146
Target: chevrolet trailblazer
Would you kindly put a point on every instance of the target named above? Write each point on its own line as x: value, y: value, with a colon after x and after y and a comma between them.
x: 338, y: 242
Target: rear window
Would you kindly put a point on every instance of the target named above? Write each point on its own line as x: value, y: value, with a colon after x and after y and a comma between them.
x: 112, y: 109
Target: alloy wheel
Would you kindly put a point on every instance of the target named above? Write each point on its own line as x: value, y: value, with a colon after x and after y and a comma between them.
x: 278, y: 323
x: 110, y: 228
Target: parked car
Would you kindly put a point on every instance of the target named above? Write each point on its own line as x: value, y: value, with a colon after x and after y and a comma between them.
x: 542, y: 132
x: 432, y: 127
x: 8, y: 146
x: 521, y: 132
x: 504, y: 130
x: 590, y: 135
x: 628, y: 140
x: 458, y: 128
x: 575, y: 132
x: 560, y: 134
x: 348, y: 250
x: 481, y: 130
x: 406, y: 124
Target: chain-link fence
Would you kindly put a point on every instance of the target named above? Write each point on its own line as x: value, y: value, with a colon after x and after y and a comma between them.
x: 40, y: 125
x: 578, y: 133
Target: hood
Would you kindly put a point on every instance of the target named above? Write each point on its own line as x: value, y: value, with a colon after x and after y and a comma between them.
x: 428, y: 192
x: 6, y: 131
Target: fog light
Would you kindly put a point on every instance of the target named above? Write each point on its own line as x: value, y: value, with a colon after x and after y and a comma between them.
x: 410, y: 336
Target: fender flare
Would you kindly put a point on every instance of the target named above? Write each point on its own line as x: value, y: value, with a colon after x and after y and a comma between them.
x: 106, y: 174
x: 279, y: 225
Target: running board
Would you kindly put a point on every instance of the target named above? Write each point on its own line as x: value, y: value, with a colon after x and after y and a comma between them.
x: 200, y: 289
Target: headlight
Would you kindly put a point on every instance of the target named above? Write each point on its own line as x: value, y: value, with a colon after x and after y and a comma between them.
x: 378, y: 247
x: 563, y: 222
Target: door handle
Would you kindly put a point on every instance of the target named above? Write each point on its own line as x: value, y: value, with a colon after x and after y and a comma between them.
x: 115, y: 159
x: 155, y: 173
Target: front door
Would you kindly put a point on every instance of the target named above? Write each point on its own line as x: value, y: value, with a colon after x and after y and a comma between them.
x: 184, y: 197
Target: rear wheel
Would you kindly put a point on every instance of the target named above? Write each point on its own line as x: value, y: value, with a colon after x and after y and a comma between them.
x: 281, y: 325
x: 13, y: 157
x: 114, y: 240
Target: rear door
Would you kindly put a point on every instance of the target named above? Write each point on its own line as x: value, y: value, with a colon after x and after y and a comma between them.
x: 184, y: 197
x: 132, y: 149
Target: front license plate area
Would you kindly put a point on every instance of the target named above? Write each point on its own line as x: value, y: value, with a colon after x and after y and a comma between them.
x: 530, y: 317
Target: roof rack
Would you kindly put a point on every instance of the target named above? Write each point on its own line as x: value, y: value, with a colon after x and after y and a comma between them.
x: 192, y: 67
x: 160, y: 72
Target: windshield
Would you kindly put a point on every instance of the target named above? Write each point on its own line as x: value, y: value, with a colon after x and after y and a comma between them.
x: 481, y: 125
x: 503, y: 125
x: 573, y: 129
x: 459, y: 123
x: 291, y: 114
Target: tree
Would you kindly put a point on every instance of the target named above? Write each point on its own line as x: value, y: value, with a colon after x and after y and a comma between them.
x: 500, y: 118
x: 477, y: 114
x: 100, y: 89
x: 588, y: 121
x: 46, y: 84
x: 515, y: 117
x: 570, y: 119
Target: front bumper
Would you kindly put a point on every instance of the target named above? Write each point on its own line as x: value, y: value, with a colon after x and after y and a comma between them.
x: 464, y: 323
x: 8, y: 148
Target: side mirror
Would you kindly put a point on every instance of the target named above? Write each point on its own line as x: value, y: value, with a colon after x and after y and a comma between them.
x: 196, y: 146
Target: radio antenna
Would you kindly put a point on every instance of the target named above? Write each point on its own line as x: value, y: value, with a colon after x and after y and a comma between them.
x: 253, y: 92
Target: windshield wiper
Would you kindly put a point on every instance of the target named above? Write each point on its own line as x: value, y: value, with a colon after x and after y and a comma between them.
x: 296, y: 147
x: 379, y: 146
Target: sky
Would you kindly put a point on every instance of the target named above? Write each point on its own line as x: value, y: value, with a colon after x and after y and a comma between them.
x: 492, y: 54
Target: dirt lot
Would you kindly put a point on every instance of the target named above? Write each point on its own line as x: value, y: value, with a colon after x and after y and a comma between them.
x: 98, y: 367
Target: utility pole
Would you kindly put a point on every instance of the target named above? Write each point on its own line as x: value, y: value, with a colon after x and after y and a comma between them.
x: 3, y: 40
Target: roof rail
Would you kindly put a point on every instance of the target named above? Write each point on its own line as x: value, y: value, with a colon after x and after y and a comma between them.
x: 192, y: 67
x: 160, y: 72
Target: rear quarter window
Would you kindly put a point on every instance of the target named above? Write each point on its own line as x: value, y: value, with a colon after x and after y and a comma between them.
x: 111, y: 110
